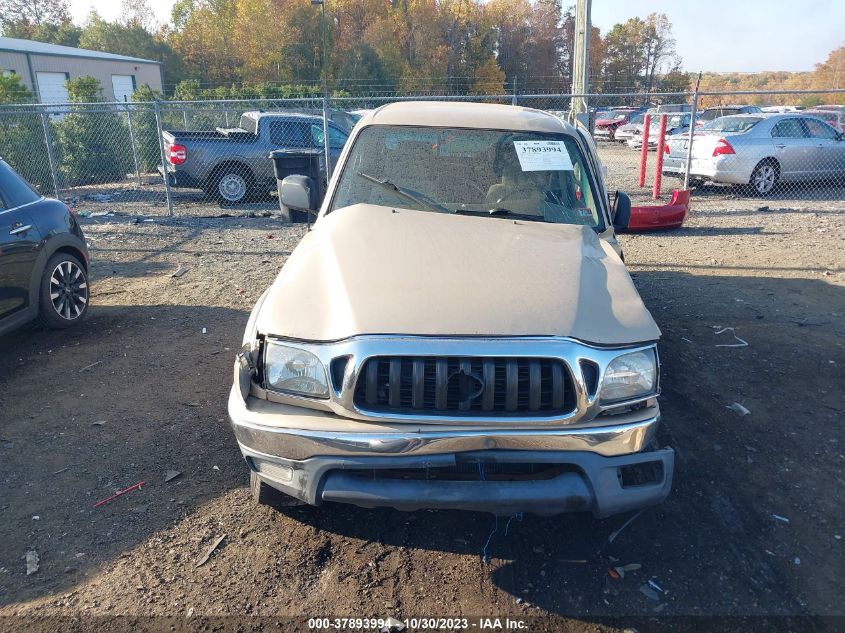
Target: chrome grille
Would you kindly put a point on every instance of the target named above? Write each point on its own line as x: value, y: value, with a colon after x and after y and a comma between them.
x: 465, y: 386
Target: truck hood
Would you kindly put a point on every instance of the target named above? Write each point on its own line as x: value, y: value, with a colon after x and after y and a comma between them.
x: 369, y: 269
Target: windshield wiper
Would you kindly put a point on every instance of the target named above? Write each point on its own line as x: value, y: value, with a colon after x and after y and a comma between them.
x: 410, y: 194
x: 500, y: 212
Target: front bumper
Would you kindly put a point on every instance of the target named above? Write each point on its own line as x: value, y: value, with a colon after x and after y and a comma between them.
x: 289, y: 449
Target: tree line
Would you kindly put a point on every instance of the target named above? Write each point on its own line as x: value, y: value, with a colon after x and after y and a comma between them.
x: 213, y: 49
x: 375, y: 46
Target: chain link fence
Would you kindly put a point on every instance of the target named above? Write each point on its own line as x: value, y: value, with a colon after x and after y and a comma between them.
x: 107, y: 157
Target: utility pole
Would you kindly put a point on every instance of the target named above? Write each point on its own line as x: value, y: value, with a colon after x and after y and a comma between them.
x: 324, y: 73
x: 581, y: 58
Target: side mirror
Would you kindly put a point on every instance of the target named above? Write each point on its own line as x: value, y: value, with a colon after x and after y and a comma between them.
x: 621, y: 211
x: 298, y: 193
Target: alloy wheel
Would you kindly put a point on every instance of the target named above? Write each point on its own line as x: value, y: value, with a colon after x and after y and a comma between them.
x: 68, y: 290
x: 764, y: 179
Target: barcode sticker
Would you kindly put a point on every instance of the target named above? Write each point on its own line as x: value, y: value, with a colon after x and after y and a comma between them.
x: 543, y: 156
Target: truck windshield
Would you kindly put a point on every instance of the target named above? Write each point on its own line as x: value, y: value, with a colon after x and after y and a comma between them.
x: 494, y: 173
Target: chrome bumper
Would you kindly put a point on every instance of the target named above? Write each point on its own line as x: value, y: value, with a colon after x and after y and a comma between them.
x: 317, y: 456
x: 294, y: 433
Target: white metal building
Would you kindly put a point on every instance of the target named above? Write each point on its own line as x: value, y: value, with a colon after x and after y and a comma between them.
x: 44, y: 69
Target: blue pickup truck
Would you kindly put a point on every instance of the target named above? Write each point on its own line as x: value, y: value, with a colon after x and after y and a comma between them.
x: 232, y: 164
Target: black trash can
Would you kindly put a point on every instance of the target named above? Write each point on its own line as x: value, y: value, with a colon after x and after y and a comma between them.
x: 297, y: 162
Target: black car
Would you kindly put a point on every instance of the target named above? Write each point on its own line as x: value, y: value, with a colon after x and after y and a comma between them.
x: 43, y: 258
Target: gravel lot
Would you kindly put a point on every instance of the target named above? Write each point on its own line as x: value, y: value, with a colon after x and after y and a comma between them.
x: 754, y: 524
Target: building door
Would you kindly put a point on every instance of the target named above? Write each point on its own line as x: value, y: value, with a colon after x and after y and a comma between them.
x: 51, y: 87
x: 123, y: 86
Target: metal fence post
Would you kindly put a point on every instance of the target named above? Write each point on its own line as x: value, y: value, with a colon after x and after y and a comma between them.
x: 691, y: 135
x: 132, y: 142
x: 48, y: 143
x: 513, y: 100
x: 163, y: 160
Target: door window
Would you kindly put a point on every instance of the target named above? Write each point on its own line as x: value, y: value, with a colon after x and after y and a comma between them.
x: 817, y: 129
x: 289, y: 134
x: 788, y: 128
x: 14, y: 191
x: 337, y: 139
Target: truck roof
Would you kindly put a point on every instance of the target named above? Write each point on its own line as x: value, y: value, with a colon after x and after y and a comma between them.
x: 466, y: 115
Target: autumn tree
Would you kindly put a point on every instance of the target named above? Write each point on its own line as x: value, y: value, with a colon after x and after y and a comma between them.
x: 229, y: 47
x: 658, y: 47
x: 130, y: 37
x: 830, y: 74
x: 23, y: 17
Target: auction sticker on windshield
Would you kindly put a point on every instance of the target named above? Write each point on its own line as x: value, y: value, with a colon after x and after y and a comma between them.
x: 543, y: 156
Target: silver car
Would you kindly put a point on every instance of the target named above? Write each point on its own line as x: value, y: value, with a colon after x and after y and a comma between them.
x: 760, y: 150
x: 676, y: 123
x: 633, y: 127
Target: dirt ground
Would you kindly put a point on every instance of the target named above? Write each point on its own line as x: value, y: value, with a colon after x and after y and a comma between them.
x: 754, y: 525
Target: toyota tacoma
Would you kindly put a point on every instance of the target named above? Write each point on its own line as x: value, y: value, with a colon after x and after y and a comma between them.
x: 458, y: 330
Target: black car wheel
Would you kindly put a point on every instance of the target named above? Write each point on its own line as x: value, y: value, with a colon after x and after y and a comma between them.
x: 64, y: 292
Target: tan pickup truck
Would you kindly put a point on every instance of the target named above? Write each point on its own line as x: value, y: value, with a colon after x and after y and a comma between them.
x: 458, y: 329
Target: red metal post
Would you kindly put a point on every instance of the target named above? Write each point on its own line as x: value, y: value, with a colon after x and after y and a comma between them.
x: 658, y: 168
x: 644, y: 151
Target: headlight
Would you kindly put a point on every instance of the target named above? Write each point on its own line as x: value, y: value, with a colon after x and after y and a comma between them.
x: 629, y: 376
x: 295, y: 371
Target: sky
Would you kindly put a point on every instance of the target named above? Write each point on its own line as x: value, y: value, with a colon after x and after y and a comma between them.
x: 711, y: 35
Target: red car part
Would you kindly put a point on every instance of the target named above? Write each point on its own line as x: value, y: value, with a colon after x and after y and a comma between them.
x: 657, y: 217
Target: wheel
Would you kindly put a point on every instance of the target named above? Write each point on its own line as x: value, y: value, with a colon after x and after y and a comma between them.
x: 764, y: 178
x: 268, y: 496
x: 63, y: 294
x: 232, y: 185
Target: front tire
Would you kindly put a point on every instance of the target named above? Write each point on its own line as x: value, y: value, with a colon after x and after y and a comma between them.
x: 63, y: 295
x: 764, y: 178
